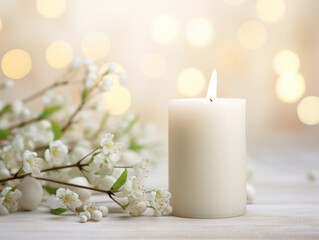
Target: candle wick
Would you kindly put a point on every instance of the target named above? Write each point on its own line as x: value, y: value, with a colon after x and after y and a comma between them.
x: 210, y: 99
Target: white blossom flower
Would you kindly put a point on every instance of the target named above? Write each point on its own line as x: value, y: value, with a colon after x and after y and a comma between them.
x: 18, y: 143
x: 4, y: 172
x: 76, y: 63
x: 3, y: 209
x: 56, y: 152
x: 142, y: 168
x: 125, y: 190
x: 104, y: 210
x: 52, y: 99
x: 159, y: 201
x: 107, y: 143
x: 111, y: 68
x: 90, y: 65
x: 31, y: 162
x: 8, y: 83
x: 9, y: 200
x: 110, y: 148
x: 136, y: 207
x: 106, y: 85
x: 133, y: 188
x: 26, y: 114
x: 65, y: 198
x: 17, y: 107
x: 90, y: 79
x: 138, y: 188
x: 95, y: 212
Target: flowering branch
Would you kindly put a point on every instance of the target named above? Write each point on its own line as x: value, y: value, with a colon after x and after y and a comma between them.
x: 44, y: 90
x: 78, y: 165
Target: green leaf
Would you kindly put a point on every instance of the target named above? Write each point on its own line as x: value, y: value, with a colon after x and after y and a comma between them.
x: 92, y: 157
x: 49, y: 111
x: 4, y: 133
x: 131, y: 124
x: 21, y: 171
x: 119, y: 182
x: 102, y: 124
x: 50, y: 190
x: 85, y: 94
x: 56, y: 129
x: 58, y: 211
x: 135, y: 147
x: 5, y: 109
x: 124, y: 206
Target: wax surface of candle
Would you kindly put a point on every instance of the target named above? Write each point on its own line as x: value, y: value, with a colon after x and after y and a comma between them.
x: 207, y: 156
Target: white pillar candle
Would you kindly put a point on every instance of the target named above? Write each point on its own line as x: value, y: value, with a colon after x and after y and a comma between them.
x: 207, y: 156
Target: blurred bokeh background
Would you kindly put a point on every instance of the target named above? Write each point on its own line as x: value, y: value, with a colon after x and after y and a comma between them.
x: 266, y: 51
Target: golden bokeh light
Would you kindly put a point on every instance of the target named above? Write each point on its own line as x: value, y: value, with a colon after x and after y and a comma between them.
x: 290, y: 87
x: 308, y: 110
x: 190, y: 82
x: 118, y: 68
x: 164, y: 28
x: 59, y: 54
x: 234, y: 2
x: 16, y: 64
x: 51, y: 8
x: 117, y: 100
x: 270, y: 10
x: 153, y: 65
x: 286, y: 61
x: 199, y: 32
x: 96, y: 45
x: 230, y: 58
x: 252, y: 35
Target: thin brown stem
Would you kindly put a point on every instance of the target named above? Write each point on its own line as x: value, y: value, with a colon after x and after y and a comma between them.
x: 43, y: 91
x: 72, y: 185
x: 69, y: 123
x: 17, y: 173
x: 79, y: 162
x: 24, y: 123
x: 111, y: 196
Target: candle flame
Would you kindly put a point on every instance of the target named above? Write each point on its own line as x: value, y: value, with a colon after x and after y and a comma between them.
x: 212, y: 88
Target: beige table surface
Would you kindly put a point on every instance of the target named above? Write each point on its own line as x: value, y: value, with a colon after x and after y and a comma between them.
x: 287, y: 207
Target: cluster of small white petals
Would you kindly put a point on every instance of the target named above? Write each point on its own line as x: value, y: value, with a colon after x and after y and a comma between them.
x: 51, y: 99
x: 4, y: 172
x: 31, y: 162
x: 9, y: 200
x: 112, y: 150
x: 7, y: 84
x: 91, y: 70
x: 135, y: 207
x: 93, y: 212
x: 159, y: 201
x: 17, y: 107
x: 65, y: 198
x: 37, y: 134
x: 106, y: 85
x: 142, y: 168
x: 56, y: 152
x: 134, y: 190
